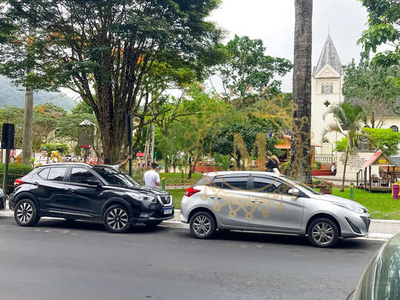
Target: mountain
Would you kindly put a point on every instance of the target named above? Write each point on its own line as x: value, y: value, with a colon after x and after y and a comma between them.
x: 11, y: 95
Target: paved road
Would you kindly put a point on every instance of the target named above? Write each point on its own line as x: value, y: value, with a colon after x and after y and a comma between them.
x: 57, y: 260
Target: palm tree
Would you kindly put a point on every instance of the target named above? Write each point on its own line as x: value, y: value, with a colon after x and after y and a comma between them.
x: 349, y: 122
x: 301, y: 153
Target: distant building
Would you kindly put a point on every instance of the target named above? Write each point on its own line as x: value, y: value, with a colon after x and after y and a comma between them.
x: 327, y: 82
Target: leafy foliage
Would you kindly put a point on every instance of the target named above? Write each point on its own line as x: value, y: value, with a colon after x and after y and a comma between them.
x: 384, y: 139
x: 106, y: 50
x: 248, y: 68
x: 384, y: 17
x: 374, y: 89
x: 348, y: 122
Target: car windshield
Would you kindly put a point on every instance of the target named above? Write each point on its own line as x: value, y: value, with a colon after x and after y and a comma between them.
x: 113, y: 177
x: 302, y: 185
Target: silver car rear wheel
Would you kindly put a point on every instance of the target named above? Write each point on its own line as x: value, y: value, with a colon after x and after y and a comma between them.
x: 202, y: 225
x: 323, y: 233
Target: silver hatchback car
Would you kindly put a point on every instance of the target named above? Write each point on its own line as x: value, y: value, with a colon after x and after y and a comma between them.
x: 263, y: 201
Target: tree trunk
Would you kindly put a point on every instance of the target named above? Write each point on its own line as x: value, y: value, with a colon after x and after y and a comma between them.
x: 28, y: 121
x: 28, y: 112
x: 166, y: 164
x: 301, y: 154
x: 346, y: 158
x: 190, y: 168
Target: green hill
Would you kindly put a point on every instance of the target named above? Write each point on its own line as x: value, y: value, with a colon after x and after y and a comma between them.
x: 10, y: 95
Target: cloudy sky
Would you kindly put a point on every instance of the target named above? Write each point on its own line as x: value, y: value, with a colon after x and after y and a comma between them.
x: 273, y: 22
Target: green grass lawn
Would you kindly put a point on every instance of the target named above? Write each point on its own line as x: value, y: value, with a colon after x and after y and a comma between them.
x: 179, y: 175
x: 177, y: 196
x: 374, y: 202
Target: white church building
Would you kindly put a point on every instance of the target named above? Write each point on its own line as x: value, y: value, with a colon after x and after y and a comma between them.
x: 327, y: 83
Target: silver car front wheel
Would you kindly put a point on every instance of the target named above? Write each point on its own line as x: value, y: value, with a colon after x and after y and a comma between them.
x: 323, y: 233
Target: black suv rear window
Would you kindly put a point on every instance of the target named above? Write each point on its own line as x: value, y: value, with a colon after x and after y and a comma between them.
x: 57, y: 174
x: 44, y: 173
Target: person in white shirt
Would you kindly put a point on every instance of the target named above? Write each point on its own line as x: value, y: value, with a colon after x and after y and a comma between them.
x: 120, y: 165
x: 151, y: 177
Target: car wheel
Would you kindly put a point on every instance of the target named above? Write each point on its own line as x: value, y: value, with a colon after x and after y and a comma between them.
x: 25, y: 213
x: 116, y: 219
x: 202, y: 225
x: 323, y: 233
x: 152, y: 223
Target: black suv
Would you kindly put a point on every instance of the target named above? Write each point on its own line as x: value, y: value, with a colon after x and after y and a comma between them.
x: 79, y: 191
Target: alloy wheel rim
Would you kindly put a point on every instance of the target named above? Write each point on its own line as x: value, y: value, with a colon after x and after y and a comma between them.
x: 323, y: 233
x: 202, y: 225
x: 24, y: 212
x: 117, y: 219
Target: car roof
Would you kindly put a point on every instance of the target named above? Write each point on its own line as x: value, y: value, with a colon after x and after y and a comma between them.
x: 222, y: 173
x: 69, y: 164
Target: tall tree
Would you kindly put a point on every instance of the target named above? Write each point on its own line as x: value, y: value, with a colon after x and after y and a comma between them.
x: 247, y: 69
x: 301, y: 153
x: 374, y: 88
x: 383, y: 29
x: 104, y: 50
x: 348, y: 122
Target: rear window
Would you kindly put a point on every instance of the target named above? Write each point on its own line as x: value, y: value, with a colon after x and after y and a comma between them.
x: 235, y: 183
x: 56, y: 174
x: 205, y: 180
x: 44, y: 173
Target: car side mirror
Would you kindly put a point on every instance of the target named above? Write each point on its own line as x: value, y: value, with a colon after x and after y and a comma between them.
x: 92, y: 182
x: 294, y: 192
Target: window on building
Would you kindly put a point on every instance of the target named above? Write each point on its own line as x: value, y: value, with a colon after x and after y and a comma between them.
x: 327, y: 88
x: 394, y: 128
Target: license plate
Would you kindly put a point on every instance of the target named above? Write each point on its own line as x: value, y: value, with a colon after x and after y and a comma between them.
x: 167, y: 210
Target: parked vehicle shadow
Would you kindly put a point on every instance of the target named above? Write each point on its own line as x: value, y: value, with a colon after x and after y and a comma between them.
x: 91, y: 226
x: 280, y: 239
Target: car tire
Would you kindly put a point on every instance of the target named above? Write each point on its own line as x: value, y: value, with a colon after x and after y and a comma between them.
x: 25, y: 213
x: 323, y: 233
x: 202, y: 225
x: 116, y: 219
x: 152, y: 223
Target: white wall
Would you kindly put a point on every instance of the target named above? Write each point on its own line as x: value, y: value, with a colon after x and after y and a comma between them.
x: 318, y: 108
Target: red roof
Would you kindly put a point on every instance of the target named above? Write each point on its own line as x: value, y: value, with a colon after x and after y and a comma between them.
x: 376, y: 157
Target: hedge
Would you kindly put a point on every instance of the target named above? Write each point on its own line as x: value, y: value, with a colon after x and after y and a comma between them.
x: 14, y: 171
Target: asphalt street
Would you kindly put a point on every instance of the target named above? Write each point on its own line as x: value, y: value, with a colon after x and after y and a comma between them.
x: 80, y: 260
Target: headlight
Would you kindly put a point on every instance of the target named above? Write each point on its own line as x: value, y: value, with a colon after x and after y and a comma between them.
x: 355, y: 209
x: 141, y: 197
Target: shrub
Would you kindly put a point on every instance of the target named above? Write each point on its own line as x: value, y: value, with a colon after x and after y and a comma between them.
x: 14, y: 171
x: 325, y: 185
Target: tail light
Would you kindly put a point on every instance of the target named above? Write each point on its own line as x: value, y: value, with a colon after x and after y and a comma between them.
x: 191, y: 191
x: 18, y: 182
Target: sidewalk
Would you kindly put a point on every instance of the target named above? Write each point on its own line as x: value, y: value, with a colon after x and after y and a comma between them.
x: 379, y: 229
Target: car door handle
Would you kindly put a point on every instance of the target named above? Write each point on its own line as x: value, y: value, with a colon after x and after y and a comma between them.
x: 71, y: 191
x: 256, y: 201
x: 216, y: 198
